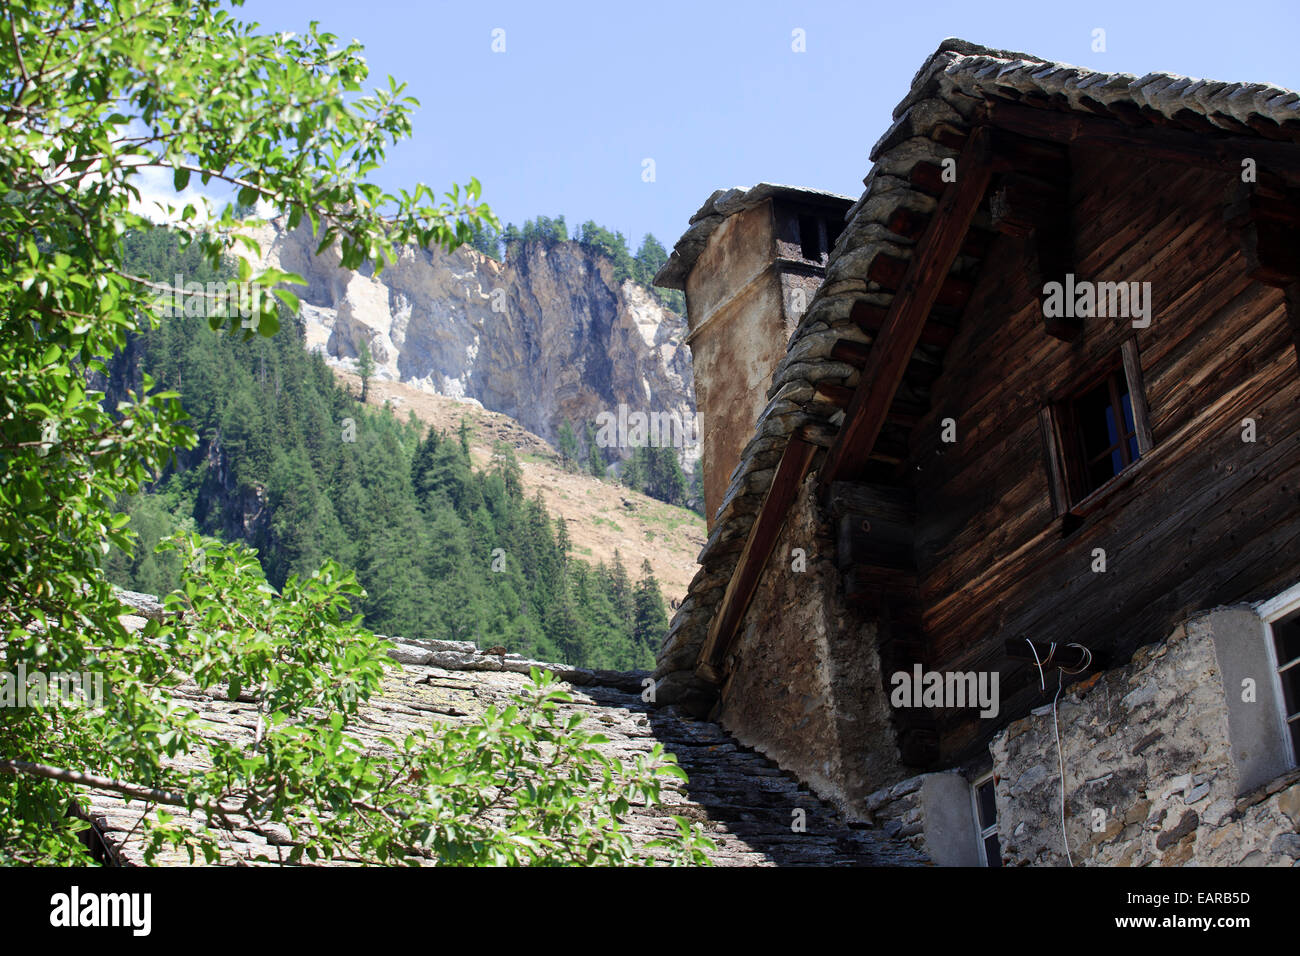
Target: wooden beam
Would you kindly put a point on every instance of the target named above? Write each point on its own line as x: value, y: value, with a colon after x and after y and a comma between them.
x: 920, y: 367
x: 1292, y: 295
x: 1223, y: 153
x: 1136, y: 395
x: 871, y: 319
x: 926, y: 272
x: 874, y: 526
x: 910, y: 224
x: 890, y: 272
x: 795, y: 461
x: 841, y: 396
x: 1051, y: 430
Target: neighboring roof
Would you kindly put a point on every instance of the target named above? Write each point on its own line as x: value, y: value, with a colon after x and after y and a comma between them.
x: 724, y: 203
x: 741, y: 798
x: 943, y: 97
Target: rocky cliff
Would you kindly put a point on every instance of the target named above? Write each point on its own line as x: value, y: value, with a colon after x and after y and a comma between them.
x: 547, y: 336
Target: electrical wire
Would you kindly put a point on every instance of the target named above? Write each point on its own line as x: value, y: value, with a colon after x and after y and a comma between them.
x: 1056, y: 729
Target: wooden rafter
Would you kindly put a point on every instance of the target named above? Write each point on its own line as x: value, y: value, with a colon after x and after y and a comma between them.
x: 926, y: 272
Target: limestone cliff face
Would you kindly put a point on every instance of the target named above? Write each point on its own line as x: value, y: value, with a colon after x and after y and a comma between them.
x: 548, y: 336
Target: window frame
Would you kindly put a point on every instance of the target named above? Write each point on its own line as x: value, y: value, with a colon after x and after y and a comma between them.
x: 1275, y: 609
x: 982, y: 833
x: 1066, y: 463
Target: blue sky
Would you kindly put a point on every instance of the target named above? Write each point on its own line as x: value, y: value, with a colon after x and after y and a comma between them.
x: 561, y: 122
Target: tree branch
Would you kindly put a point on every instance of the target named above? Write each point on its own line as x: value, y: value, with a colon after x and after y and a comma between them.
x: 26, y: 768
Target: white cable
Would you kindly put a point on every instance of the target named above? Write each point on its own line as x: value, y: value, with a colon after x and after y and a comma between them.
x: 1056, y: 728
x: 1041, y: 684
x: 1060, y: 759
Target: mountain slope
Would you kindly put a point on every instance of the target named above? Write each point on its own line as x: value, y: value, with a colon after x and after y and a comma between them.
x: 602, y: 516
x: 546, y: 337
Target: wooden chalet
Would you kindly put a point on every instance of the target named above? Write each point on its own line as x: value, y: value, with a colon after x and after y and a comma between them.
x: 962, y: 466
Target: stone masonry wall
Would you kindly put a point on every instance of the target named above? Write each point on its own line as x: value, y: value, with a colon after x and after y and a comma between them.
x: 1149, y: 774
x: 897, y: 810
x: 805, y: 686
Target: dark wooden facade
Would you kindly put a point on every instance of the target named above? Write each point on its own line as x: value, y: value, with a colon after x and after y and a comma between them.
x: 1204, y: 518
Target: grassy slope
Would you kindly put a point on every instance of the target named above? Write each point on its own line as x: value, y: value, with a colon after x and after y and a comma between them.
x: 602, y: 515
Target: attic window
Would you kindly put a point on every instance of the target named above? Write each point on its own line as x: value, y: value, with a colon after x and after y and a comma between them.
x: 1286, y: 646
x: 1097, y: 433
x: 810, y: 238
x: 1102, y: 419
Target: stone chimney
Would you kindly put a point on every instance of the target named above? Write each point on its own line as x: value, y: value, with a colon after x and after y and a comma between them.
x: 749, y: 265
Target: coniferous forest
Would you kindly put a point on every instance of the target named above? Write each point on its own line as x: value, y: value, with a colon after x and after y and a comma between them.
x: 296, y: 467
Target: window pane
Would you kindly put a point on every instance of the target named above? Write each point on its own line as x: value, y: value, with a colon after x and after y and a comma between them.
x: 987, y: 804
x: 1291, y: 694
x: 1286, y: 637
x: 992, y: 850
x: 1100, y: 472
x: 1133, y: 448
x: 1092, y: 413
x: 1286, y: 640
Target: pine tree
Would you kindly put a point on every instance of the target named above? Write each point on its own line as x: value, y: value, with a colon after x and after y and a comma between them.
x: 567, y: 443
x: 595, y: 462
x: 562, y: 543
x: 621, y: 595
x: 365, y: 368
x: 463, y: 432
x: 651, y: 620
x: 505, y: 464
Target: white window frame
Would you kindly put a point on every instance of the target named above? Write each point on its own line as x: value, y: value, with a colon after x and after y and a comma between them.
x: 983, y: 833
x: 1274, y: 609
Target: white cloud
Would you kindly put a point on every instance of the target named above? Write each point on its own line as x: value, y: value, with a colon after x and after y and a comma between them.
x: 157, y: 191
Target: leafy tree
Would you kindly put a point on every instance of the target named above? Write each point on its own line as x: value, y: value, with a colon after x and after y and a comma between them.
x: 93, y: 94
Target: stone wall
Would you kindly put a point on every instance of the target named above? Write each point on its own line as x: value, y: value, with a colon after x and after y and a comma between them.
x: 1150, y: 774
x: 805, y: 685
x: 1160, y: 770
x: 934, y: 813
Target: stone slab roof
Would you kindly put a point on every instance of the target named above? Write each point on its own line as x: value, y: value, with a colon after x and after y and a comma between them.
x: 943, y: 97
x: 743, y: 800
x: 720, y: 205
